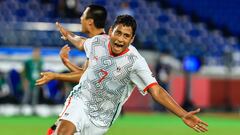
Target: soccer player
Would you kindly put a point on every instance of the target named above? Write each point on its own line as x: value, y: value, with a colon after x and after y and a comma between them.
x: 93, y: 21
x: 115, y: 68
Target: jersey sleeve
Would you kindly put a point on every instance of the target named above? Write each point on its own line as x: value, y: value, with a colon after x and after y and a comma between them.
x: 142, y: 76
x: 87, y: 46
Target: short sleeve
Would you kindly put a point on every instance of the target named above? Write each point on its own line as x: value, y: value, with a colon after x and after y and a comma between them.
x: 142, y: 76
x: 87, y: 46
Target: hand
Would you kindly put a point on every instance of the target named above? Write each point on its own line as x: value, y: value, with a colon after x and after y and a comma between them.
x: 194, y: 122
x: 46, y: 77
x: 64, y: 53
x: 62, y: 30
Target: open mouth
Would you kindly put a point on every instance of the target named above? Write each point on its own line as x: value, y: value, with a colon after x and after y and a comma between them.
x: 118, y: 45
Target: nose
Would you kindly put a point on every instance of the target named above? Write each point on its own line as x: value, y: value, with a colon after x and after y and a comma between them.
x: 121, y: 38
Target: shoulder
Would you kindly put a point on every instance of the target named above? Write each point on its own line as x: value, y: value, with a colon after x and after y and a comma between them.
x: 139, y: 60
x: 135, y: 52
x: 100, y: 37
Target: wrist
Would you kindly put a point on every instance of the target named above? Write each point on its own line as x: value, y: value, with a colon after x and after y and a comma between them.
x: 183, y: 114
x: 56, y: 76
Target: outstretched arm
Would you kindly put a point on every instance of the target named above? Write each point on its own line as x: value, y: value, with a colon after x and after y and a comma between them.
x: 189, y: 118
x: 69, y: 77
x: 64, y: 55
x: 77, y: 41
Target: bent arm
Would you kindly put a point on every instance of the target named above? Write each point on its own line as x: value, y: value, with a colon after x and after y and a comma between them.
x: 85, y: 65
x: 189, y: 118
x: 64, y: 55
x: 72, y: 67
x: 162, y: 97
x: 77, y: 41
x: 68, y: 77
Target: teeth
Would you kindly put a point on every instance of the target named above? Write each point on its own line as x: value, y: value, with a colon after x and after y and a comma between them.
x: 118, y: 45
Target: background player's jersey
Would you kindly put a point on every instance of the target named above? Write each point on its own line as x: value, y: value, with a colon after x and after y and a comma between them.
x: 109, y: 80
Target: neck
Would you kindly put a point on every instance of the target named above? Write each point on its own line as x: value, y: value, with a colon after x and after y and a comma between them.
x: 95, y: 32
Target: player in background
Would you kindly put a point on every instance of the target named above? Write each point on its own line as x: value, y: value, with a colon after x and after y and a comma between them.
x: 115, y: 68
x: 32, y: 69
x: 93, y: 21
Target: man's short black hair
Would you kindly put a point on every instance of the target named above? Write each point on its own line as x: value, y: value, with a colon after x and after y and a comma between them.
x: 126, y: 20
x: 98, y: 14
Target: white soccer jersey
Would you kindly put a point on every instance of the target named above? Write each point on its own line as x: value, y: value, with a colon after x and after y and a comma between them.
x: 109, y: 80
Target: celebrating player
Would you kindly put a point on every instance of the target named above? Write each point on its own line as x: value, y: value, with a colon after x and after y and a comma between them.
x: 115, y: 68
x: 93, y: 21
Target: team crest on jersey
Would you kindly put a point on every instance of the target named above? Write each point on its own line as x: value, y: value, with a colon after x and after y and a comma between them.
x: 118, y: 69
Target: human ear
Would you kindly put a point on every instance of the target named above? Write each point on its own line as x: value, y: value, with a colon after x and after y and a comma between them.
x: 110, y: 31
x: 90, y: 21
x: 132, y: 39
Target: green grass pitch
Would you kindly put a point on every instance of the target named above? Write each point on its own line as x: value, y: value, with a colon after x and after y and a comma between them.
x: 130, y: 124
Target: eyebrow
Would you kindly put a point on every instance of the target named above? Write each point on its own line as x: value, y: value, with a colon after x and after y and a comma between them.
x: 123, y: 32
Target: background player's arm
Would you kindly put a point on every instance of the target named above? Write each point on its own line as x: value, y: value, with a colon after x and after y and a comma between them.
x: 64, y: 55
x: 77, y: 41
x: 69, y: 77
x: 72, y: 67
x: 85, y: 65
x: 189, y: 118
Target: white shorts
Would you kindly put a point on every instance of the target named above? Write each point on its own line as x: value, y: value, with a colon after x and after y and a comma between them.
x: 73, y: 111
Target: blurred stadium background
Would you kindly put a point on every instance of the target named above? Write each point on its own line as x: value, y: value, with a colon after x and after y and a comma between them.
x: 192, y: 47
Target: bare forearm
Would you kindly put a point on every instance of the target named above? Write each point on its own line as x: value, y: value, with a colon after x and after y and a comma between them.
x: 85, y: 65
x: 77, y: 41
x: 72, y: 67
x: 162, y: 97
x: 69, y: 77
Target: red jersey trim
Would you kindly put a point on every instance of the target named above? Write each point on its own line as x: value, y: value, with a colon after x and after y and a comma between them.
x: 149, y: 86
x: 110, y: 51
